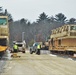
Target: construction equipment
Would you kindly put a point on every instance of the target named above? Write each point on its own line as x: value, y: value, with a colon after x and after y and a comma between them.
x: 63, y: 40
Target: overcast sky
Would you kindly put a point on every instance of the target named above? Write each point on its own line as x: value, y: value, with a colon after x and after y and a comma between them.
x: 31, y: 9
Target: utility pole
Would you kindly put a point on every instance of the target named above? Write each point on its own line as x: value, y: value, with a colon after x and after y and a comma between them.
x: 23, y: 36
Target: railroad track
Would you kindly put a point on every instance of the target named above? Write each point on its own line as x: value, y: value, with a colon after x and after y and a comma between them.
x: 65, y: 56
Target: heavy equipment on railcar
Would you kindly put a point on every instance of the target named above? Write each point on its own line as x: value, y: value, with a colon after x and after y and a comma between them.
x: 63, y: 39
x: 4, y: 34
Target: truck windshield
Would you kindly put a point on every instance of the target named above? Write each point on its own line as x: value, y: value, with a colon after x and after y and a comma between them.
x: 3, y: 21
x: 73, y: 28
x: 19, y: 45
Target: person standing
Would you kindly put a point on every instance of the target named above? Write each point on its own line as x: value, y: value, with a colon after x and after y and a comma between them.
x: 38, y: 49
x: 15, y: 48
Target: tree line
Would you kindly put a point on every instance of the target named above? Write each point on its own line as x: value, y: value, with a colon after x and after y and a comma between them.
x: 36, y: 31
x: 39, y: 30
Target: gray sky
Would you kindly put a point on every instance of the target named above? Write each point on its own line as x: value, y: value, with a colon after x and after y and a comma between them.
x: 31, y: 9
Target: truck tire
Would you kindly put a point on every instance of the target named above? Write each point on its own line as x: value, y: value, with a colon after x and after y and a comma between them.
x: 36, y: 51
x: 23, y: 51
x: 31, y: 52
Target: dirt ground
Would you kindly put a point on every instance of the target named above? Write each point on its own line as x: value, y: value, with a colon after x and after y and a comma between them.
x: 44, y: 64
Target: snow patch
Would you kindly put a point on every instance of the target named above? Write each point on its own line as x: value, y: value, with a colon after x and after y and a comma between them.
x: 52, y: 55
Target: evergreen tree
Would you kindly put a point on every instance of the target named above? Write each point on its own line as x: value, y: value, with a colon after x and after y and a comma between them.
x: 23, y: 21
x: 42, y: 17
x: 60, y: 18
x: 72, y: 20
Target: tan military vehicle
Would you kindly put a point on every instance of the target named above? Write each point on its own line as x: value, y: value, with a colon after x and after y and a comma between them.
x: 4, y: 33
x: 63, y: 39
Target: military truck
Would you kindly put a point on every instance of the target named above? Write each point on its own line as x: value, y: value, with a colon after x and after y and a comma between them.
x: 45, y: 45
x: 21, y: 46
x: 63, y: 39
x: 4, y: 34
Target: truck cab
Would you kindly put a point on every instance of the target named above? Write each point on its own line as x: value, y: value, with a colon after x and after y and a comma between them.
x: 21, y: 46
x: 4, y: 33
x: 33, y: 48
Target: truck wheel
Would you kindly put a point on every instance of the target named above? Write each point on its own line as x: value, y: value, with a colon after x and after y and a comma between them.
x: 38, y: 52
x: 23, y: 51
x: 31, y: 52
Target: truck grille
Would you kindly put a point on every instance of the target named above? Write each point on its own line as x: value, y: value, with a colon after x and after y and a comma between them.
x: 72, y: 33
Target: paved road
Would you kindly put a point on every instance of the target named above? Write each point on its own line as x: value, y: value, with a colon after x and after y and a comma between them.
x: 42, y: 64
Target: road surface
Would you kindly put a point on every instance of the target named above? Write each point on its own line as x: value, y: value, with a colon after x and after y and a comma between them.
x: 44, y: 64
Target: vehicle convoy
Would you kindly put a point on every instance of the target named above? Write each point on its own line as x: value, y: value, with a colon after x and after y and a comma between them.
x: 4, y: 34
x: 63, y: 40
